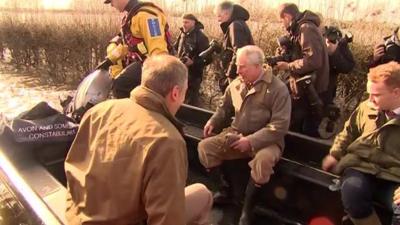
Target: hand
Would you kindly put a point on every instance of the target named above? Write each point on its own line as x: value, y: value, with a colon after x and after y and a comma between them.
x: 329, y: 163
x: 208, y: 129
x: 118, y: 53
x: 282, y: 66
x: 242, y: 145
x: 293, y: 86
x: 188, y: 61
x: 331, y: 46
x: 396, y: 196
x: 379, y: 51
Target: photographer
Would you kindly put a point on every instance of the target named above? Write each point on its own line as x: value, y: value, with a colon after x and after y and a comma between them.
x: 312, y: 60
x: 232, y: 18
x: 341, y: 58
x: 189, y: 44
x: 387, y: 51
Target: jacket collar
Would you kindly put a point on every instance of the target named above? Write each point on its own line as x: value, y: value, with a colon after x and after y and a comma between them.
x: 380, y: 117
x: 224, y: 26
x: 266, y: 77
x: 131, y: 5
x: 153, y: 101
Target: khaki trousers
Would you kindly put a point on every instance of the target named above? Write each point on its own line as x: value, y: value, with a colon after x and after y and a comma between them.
x: 199, y: 202
x: 214, y: 150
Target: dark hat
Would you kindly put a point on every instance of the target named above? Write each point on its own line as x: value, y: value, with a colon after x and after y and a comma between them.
x: 189, y: 16
x: 107, y: 1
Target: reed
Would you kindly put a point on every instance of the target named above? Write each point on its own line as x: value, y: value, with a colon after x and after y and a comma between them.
x: 67, y: 45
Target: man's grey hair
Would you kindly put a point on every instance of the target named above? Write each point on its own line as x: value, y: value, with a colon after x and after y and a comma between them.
x: 161, y: 73
x: 253, y: 53
x: 224, y: 6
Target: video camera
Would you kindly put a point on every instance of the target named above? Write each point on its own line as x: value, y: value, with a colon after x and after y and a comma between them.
x: 286, y: 46
x: 392, y: 47
x: 186, y: 53
x: 334, y: 35
x: 214, y: 46
x: 305, y: 83
x: 306, y: 88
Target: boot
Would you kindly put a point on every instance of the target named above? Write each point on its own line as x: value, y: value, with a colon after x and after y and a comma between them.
x: 372, y: 219
x: 250, y: 199
x: 234, y: 177
x: 223, y: 195
x: 230, y: 214
x: 237, y: 173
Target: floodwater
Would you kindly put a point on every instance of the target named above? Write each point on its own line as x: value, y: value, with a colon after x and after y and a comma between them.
x: 21, y: 91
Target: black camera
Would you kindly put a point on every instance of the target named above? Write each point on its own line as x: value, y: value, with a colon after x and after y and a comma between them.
x: 334, y: 35
x: 392, y: 47
x: 330, y: 124
x: 187, y: 51
x: 286, y: 49
x: 214, y: 46
x: 307, y: 89
x: 184, y: 59
x: 272, y: 61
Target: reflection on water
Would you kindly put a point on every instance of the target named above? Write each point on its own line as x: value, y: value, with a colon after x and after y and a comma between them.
x: 20, y: 93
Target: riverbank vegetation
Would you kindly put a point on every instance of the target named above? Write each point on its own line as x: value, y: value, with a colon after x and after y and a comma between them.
x: 67, y: 45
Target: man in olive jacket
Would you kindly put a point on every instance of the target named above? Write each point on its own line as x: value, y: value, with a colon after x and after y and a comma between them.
x: 367, y: 151
x: 260, y: 104
x: 310, y: 58
x: 128, y: 162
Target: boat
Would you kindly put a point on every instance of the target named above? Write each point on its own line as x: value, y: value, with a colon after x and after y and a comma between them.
x: 299, y: 193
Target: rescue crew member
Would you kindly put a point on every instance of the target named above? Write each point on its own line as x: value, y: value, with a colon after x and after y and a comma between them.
x: 232, y: 18
x: 310, y: 58
x: 128, y: 162
x: 190, y: 43
x: 260, y: 104
x: 367, y: 151
x: 144, y: 32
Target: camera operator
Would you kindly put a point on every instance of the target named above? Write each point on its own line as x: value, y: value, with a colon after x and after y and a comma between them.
x: 341, y: 58
x: 232, y: 18
x: 387, y: 51
x: 189, y: 44
x: 311, y: 66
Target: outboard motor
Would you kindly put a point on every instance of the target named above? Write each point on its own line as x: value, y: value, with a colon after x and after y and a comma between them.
x: 94, y: 89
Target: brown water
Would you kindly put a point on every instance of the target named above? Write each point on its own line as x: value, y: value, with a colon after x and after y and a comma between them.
x: 21, y: 91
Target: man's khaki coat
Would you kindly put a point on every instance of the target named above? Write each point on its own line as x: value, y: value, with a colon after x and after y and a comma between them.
x: 128, y: 164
